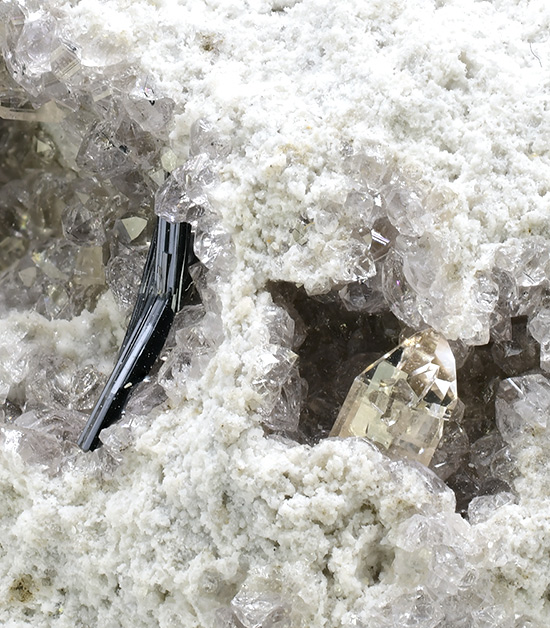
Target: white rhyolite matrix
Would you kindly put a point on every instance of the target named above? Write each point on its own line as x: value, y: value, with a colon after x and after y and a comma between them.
x: 201, y: 520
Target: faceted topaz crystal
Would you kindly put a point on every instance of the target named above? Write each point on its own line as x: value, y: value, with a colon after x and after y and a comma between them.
x: 401, y: 401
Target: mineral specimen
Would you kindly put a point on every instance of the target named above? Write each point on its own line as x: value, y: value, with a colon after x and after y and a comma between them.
x: 317, y: 191
x: 401, y: 401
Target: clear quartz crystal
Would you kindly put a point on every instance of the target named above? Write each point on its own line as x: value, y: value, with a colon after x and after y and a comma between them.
x: 51, y: 381
x: 44, y: 437
x: 281, y: 326
x: 285, y: 414
x: 539, y: 328
x: 484, y: 507
x: 204, y: 138
x: 89, y: 270
x: 153, y: 114
x: 404, y: 208
x: 197, y: 335
x: 87, y: 383
x: 57, y: 303
x: 383, y: 236
x: 522, y: 407
x: 275, y: 366
x: 31, y: 55
x: 356, y: 296
x: 363, y: 267
x: 81, y: 226
x: 214, y: 246
x: 65, y: 60
x: 401, y: 401
x: 398, y: 292
x: 60, y: 424
x: 32, y: 446
x: 419, y: 610
x: 265, y: 610
x: 123, y: 273
x: 117, y: 438
x: 527, y: 260
x: 452, y: 449
x: 101, y: 154
x: 185, y: 190
x: 225, y: 618
x: 483, y: 451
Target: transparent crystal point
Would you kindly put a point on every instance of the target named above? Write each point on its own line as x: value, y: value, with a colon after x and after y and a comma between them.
x: 522, y: 407
x: 65, y: 60
x: 151, y: 113
x: 101, y: 154
x: 31, y: 53
x: 265, y: 610
x: 401, y: 401
x: 81, y: 226
x: 539, y: 328
x: 183, y: 194
x: 123, y: 273
x: 204, y: 139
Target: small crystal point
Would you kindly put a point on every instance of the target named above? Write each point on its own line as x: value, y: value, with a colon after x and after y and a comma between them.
x: 65, y: 61
x: 401, y: 401
x: 134, y: 226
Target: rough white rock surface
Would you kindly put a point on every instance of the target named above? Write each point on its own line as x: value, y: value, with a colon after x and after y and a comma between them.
x: 455, y: 95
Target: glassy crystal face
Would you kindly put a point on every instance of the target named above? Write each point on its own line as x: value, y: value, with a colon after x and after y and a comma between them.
x: 401, y: 401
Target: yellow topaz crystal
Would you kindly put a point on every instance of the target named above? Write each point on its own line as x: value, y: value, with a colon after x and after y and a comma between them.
x: 401, y: 401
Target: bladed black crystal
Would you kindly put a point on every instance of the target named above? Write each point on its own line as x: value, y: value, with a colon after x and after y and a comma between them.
x: 165, y: 287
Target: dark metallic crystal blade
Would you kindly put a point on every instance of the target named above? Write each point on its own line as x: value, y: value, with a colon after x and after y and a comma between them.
x: 173, y: 256
x: 142, y: 349
x: 165, y: 286
x: 145, y: 287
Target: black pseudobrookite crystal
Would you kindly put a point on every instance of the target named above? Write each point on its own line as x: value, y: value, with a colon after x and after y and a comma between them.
x: 164, y: 290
